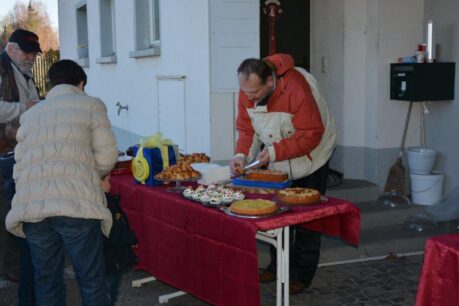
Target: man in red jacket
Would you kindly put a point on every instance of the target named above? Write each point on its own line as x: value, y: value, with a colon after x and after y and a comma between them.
x: 283, y: 121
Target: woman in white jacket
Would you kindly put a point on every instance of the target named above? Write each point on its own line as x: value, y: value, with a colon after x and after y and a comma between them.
x: 65, y: 145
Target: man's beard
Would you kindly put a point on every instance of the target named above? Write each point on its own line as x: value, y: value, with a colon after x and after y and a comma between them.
x: 263, y: 101
x: 25, y: 66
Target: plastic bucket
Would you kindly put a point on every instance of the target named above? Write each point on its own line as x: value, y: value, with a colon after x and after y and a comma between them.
x: 426, y: 189
x: 421, y: 160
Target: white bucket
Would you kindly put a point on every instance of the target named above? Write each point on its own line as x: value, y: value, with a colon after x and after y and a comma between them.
x: 421, y: 160
x: 426, y: 189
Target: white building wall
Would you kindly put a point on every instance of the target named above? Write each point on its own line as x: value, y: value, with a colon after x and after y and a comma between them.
x: 442, y: 124
x: 353, y: 43
x: 354, y: 104
x: 400, y: 31
x: 234, y: 36
x: 184, y: 27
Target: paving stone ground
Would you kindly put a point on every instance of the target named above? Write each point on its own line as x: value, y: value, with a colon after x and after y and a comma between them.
x: 380, y: 282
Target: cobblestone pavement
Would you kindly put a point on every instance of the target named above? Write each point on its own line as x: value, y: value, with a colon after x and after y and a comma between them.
x: 380, y: 282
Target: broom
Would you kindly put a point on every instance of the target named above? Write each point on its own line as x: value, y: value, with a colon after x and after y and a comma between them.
x: 396, y: 177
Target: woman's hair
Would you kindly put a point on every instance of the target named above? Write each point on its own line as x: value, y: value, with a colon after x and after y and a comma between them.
x: 256, y: 66
x: 66, y: 72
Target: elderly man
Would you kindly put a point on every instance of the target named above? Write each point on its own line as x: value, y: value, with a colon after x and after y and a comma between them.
x: 17, y: 94
x: 283, y: 121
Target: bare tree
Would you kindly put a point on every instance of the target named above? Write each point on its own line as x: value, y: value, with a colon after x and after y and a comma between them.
x: 32, y: 16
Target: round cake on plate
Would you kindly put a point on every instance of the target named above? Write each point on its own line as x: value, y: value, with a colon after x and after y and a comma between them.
x: 253, y: 207
x: 299, y: 195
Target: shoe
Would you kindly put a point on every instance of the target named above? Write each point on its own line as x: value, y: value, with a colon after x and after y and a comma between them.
x: 295, y: 287
x: 266, y: 276
x: 9, y: 277
x: 6, y: 280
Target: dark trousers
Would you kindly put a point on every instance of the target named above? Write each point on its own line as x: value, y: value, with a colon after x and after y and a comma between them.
x: 304, y: 243
x: 26, y: 291
x: 113, y: 283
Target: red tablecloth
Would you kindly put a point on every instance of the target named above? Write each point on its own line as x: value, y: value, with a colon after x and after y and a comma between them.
x: 207, y: 253
x: 439, y: 281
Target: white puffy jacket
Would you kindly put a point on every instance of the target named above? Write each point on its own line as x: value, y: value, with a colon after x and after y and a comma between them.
x: 65, y: 145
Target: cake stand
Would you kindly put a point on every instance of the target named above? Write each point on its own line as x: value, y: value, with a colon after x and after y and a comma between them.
x: 178, y: 188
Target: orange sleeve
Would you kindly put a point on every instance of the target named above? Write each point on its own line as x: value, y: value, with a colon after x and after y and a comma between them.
x: 244, y: 127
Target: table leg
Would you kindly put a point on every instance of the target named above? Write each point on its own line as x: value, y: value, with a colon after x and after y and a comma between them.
x: 165, y: 297
x: 279, y: 238
x: 279, y: 268
x: 162, y: 298
x: 137, y: 283
x: 286, y: 262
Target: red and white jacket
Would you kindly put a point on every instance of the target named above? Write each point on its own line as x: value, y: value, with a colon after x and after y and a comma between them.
x: 295, y: 125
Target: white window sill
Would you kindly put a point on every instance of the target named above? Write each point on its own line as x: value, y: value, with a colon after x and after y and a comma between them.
x: 155, y: 51
x: 80, y: 4
x: 83, y: 62
x: 106, y: 59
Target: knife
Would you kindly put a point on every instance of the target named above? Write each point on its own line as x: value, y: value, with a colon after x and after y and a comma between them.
x: 253, y: 165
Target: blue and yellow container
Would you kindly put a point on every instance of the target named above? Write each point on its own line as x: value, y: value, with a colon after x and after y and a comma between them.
x: 152, y: 155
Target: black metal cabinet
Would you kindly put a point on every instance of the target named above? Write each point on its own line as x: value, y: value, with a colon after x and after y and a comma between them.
x: 422, y: 81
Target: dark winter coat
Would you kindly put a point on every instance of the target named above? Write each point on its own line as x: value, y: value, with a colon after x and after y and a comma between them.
x: 118, y: 247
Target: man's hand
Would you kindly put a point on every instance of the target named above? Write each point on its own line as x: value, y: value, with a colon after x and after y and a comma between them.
x: 263, y: 156
x: 31, y: 103
x: 237, y: 165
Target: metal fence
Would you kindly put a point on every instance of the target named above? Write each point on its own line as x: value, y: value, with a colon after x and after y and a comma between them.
x: 40, y: 70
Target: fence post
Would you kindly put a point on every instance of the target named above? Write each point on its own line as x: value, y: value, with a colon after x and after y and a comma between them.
x: 40, y: 70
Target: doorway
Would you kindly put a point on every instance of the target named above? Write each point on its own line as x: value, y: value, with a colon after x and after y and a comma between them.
x: 292, y: 31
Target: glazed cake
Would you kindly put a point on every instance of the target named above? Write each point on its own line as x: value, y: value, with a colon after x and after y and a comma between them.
x: 299, y: 195
x: 266, y: 175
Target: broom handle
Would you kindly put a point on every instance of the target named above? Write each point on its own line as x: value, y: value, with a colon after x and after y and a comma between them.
x: 407, y: 120
x: 423, y: 132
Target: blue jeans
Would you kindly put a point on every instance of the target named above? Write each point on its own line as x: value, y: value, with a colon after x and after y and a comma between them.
x: 82, y: 239
x: 6, y: 172
x: 26, y: 290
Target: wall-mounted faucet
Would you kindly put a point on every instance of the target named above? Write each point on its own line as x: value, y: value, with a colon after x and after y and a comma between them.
x: 121, y: 107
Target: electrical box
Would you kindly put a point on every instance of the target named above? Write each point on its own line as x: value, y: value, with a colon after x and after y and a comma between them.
x: 419, y: 82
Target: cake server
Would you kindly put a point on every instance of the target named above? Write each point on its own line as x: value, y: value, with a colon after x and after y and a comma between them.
x: 253, y: 165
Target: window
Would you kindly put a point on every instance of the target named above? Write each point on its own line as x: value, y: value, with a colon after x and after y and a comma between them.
x: 147, y: 32
x: 153, y: 22
x: 107, y: 32
x: 82, y: 33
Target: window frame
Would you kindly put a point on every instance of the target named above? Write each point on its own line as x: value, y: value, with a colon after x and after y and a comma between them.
x: 81, y: 17
x: 107, y: 24
x: 147, y: 21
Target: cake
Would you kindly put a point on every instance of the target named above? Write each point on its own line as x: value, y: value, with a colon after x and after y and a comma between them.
x: 227, y: 198
x: 253, y: 207
x: 195, y: 158
x: 299, y: 195
x: 212, y: 194
x: 205, y: 198
x: 238, y: 195
x: 216, y: 200
x: 179, y: 171
x: 266, y: 175
x: 188, y: 193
